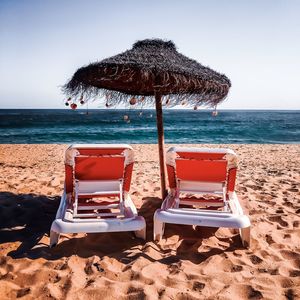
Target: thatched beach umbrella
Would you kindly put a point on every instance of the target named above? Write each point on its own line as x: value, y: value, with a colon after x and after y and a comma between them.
x: 149, y: 72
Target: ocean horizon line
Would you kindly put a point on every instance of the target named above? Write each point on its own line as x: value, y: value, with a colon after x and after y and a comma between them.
x: 153, y: 109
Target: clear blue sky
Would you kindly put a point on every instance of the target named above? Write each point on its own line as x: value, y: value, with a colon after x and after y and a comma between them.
x: 255, y: 43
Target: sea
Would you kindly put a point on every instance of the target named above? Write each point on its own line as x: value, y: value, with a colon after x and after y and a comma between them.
x: 64, y: 126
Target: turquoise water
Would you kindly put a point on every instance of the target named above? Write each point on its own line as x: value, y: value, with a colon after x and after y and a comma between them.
x: 181, y: 126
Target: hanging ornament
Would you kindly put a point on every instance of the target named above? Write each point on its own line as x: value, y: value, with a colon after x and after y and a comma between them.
x: 183, y: 102
x: 132, y: 101
x: 106, y: 104
x: 81, y: 101
x: 67, y: 104
x: 126, y: 118
x: 69, y: 99
x: 73, y: 106
x: 195, y: 107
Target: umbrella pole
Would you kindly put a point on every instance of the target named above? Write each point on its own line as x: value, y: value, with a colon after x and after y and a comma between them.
x: 160, y: 133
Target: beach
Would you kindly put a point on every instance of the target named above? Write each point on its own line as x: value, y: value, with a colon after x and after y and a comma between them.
x: 205, y: 263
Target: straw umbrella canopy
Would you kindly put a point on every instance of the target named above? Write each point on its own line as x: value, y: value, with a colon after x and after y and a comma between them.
x: 146, y: 74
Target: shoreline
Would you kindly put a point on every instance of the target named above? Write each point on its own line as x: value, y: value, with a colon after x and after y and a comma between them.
x: 187, y: 264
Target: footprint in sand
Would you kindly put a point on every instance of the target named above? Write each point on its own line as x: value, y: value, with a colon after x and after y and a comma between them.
x: 278, y: 219
x: 236, y: 268
x: 89, y: 282
x: 136, y: 293
x: 290, y: 295
x: 254, y: 294
x: 255, y: 259
x: 269, y: 271
x: 23, y: 292
x: 288, y: 203
x: 295, y: 273
x: 296, y: 224
x: 198, y: 286
x: 291, y: 256
x: 161, y: 293
x: 286, y: 282
x: 269, y: 239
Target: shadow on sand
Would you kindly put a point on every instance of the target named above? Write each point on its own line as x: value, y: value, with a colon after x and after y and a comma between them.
x: 27, y: 218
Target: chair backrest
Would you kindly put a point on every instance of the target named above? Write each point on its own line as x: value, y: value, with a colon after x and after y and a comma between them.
x: 202, y: 165
x: 98, y: 162
x: 99, y: 167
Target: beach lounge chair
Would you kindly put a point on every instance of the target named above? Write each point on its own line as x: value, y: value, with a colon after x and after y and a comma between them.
x: 202, y: 191
x: 96, y: 194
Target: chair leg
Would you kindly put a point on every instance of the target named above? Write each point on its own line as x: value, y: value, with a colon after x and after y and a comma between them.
x: 54, y: 237
x: 245, y: 236
x: 158, y: 230
x: 141, y: 233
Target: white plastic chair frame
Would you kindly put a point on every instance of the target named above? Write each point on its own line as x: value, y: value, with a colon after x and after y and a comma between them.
x: 73, y: 220
x: 231, y: 216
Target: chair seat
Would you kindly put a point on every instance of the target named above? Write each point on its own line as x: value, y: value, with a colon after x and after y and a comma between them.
x: 206, y: 202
